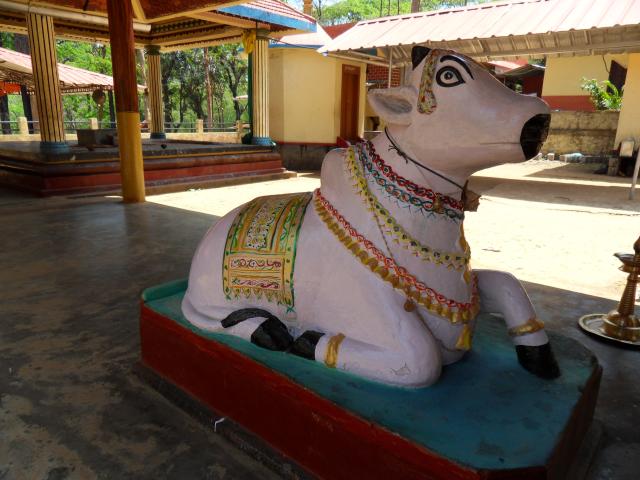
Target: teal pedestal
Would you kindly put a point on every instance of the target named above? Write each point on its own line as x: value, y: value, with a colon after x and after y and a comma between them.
x: 486, y: 417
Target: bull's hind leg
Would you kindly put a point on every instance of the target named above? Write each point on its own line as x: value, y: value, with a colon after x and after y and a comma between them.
x: 252, y: 324
x: 413, y: 364
x: 259, y: 326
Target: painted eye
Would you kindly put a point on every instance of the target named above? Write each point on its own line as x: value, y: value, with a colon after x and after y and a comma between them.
x: 449, y: 77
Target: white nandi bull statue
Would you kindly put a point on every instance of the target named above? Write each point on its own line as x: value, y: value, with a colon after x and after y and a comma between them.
x: 370, y: 274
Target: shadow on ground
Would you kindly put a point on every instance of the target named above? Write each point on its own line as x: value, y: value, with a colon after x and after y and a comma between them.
x: 70, y: 406
x: 611, y: 196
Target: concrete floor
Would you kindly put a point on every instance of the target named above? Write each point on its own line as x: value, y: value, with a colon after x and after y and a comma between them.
x: 70, y: 404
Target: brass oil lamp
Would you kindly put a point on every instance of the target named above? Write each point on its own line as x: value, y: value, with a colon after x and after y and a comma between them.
x: 621, y: 324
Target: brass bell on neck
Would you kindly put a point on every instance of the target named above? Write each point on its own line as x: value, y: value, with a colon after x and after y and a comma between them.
x: 621, y: 324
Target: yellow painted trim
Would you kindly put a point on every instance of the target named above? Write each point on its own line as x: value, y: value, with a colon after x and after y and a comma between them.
x: 131, y: 164
x: 221, y: 19
x: 138, y: 11
x: 188, y: 13
x: 180, y: 39
x: 202, y: 44
x: 333, y: 346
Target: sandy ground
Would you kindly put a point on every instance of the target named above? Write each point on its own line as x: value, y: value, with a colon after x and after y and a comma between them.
x: 549, y: 223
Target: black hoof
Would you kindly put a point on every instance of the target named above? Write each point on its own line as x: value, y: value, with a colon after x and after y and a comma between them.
x: 272, y: 335
x: 538, y: 360
x: 305, y: 344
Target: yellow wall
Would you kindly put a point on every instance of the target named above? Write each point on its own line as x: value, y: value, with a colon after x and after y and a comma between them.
x: 305, y: 90
x: 563, y: 75
x: 629, y: 121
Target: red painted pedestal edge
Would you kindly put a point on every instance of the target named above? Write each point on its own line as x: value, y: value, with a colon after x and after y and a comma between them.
x: 320, y: 436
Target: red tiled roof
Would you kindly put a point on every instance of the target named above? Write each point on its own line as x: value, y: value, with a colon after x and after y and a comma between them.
x: 280, y: 8
x: 334, y: 30
x: 72, y: 79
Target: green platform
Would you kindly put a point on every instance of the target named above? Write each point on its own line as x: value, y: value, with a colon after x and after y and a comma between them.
x: 486, y: 411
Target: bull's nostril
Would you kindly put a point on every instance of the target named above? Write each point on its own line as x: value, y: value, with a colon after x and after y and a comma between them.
x: 534, y: 133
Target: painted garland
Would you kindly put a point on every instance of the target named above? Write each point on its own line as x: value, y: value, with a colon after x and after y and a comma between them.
x: 453, y: 260
x: 387, y: 269
x: 405, y: 190
x: 426, y: 99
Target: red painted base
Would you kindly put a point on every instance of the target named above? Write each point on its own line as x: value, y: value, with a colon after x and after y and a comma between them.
x: 317, y: 434
x: 191, y: 169
x: 577, y: 103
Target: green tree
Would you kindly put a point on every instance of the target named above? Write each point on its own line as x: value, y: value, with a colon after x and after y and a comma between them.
x: 604, y: 95
x: 347, y: 11
x: 184, y: 87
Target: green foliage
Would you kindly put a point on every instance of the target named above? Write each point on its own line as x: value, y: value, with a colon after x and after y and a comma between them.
x: 347, y: 11
x: 6, y: 40
x: 604, y: 95
x: 183, y: 84
x: 94, y: 57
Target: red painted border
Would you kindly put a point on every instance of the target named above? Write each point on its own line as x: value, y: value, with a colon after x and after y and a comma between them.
x: 577, y: 103
x: 65, y: 178
x: 306, y: 144
x: 319, y: 435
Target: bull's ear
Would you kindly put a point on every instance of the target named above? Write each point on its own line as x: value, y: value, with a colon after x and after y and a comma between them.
x: 418, y: 53
x: 394, y: 105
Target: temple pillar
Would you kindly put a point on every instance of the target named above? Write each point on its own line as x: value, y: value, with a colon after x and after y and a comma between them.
x: 260, y: 89
x: 123, y: 60
x: 44, y: 63
x: 154, y: 86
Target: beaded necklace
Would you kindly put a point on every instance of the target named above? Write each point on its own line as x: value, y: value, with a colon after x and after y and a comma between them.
x: 388, y: 270
x: 405, y: 190
x: 457, y: 261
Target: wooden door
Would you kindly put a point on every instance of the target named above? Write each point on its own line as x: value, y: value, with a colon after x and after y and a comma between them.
x: 349, y: 103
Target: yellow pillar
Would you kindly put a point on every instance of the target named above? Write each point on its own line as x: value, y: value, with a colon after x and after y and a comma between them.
x: 44, y: 63
x: 154, y: 86
x: 260, y: 89
x: 629, y: 120
x: 125, y: 86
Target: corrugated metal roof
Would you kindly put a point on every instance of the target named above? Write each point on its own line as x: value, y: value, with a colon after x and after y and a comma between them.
x: 313, y: 39
x: 16, y: 67
x: 489, y: 29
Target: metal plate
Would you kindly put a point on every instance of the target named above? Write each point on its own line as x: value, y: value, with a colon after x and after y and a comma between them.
x: 593, y: 324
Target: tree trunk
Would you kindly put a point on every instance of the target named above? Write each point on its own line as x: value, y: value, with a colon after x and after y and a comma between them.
x: 415, y: 6
x: 140, y: 60
x: 207, y: 82
x: 4, y: 114
x: 4, y: 109
x: 21, y: 44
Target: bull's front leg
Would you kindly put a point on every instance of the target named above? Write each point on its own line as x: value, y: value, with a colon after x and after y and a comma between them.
x: 502, y: 293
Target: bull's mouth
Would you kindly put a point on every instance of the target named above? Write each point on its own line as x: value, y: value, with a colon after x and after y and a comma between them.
x: 534, y: 133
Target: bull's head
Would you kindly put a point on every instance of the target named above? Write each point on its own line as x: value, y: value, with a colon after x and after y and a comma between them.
x: 457, y: 117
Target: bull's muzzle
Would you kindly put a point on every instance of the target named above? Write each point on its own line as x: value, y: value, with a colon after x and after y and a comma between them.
x: 534, y: 133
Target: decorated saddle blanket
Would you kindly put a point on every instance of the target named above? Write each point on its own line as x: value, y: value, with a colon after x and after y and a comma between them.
x: 260, y: 251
